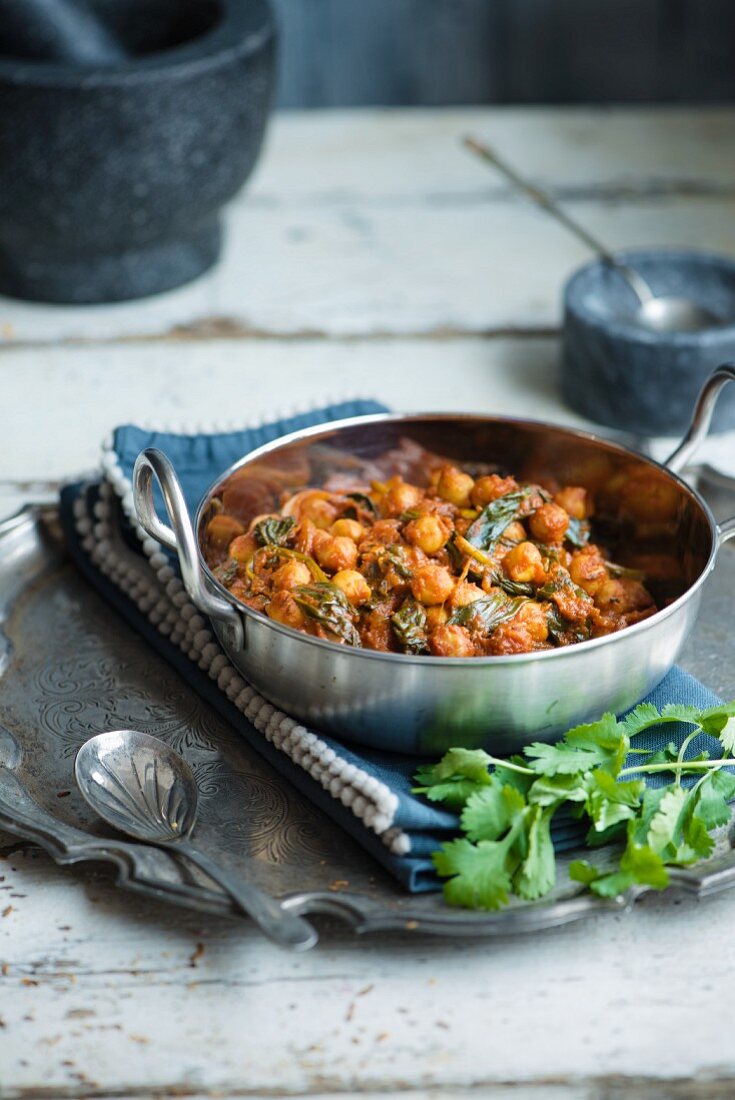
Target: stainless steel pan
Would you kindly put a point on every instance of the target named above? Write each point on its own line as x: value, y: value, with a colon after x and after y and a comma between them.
x: 422, y: 704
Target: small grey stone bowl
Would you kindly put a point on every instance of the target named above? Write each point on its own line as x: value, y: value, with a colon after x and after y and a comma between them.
x: 619, y: 373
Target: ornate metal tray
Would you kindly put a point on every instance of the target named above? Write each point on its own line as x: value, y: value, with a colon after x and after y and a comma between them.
x: 69, y: 668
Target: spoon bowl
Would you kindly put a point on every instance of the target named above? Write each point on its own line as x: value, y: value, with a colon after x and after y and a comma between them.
x: 143, y: 787
x: 670, y: 314
x: 139, y: 785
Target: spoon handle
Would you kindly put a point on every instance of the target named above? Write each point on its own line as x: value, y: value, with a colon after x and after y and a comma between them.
x: 284, y: 928
x: 635, y: 281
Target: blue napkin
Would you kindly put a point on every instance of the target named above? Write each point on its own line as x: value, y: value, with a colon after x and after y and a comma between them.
x: 198, y: 460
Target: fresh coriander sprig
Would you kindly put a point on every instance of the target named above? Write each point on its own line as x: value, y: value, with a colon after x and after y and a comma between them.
x: 506, y: 812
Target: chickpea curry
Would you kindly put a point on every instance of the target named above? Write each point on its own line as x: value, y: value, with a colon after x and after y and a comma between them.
x: 464, y: 567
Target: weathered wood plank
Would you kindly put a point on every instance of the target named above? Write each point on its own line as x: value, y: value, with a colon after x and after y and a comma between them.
x: 201, y: 383
x: 197, y: 384
x: 105, y: 992
x: 351, y: 271
x: 370, y: 224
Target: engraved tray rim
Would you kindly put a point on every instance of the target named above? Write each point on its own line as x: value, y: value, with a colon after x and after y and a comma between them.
x: 68, y: 845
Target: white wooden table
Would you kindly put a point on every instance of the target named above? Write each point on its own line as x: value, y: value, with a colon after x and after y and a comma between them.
x: 370, y: 255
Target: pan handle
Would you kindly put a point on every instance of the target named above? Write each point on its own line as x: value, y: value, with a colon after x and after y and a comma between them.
x: 701, y: 417
x: 180, y: 537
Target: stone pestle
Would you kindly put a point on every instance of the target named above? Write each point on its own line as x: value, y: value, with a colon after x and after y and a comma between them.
x: 66, y: 31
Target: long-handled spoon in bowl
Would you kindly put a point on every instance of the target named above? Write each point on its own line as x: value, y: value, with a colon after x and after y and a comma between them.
x: 143, y: 787
x: 662, y: 313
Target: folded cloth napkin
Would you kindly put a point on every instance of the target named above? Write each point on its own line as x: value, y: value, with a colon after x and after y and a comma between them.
x: 367, y: 793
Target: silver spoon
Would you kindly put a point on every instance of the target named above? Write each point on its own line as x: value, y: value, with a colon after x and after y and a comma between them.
x: 664, y: 313
x: 143, y: 787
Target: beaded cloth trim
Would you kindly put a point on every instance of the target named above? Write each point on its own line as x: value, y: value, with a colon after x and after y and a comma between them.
x: 159, y: 592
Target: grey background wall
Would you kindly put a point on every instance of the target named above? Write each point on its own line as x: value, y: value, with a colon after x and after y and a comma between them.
x: 355, y: 52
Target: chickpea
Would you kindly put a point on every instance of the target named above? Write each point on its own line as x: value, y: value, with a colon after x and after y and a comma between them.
x: 291, y: 574
x: 432, y: 584
x: 588, y: 570
x: 242, y: 548
x: 515, y: 532
x: 348, y: 528
x: 401, y: 497
x: 321, y: 513
x: 284, y: 609
x: 487, y: 489
x: 650, y: 497
x: 451, y: 640
x: 455, y: 486
x: 428, y: 532
x: 304, y: 537
x: 622, y: 596
x: 436, y: 616
x: 524, y: 563
x: 532, y: 617
x: 574, y: 500
x: 222, y: 529
x: 385, y: 531
x: 335, y: 552
x: 549, y: 523
x: 353, y: 585
x: 463, y: 594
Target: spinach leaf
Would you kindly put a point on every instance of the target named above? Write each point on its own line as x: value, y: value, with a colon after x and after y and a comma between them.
x: 487, y: 613
x: 329, y: 606
x: 273, y: 530
x: 364, y: 502
x: 497, y: 577
x: 486, y: 530
x: 409, y: 627
x: 578, y: 532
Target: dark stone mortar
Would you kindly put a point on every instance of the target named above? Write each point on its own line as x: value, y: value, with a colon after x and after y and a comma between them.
x: 112, y: 178
x: 623, y: 375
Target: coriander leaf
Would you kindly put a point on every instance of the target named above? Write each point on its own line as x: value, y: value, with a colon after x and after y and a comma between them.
x: 646, y: 715
x: 537, y: 873
x: 596, y: 744
x: 609, y: 803
x: 550, y: 789
x: 469, y: 763
x: 481, y: 879
x: 453, y: 792
x: 580, y: 870
x: 645, y: 865
x: 640, y: 865
x: 510, y: 778
x: 643, y: 716
x: 561, y: 759
x: 597, y: 838
x: 718, y: 721
x: 669, y: 754
x: 681, y: 712
x: 727, y: 735
x: 490, y: 811
x: 663, y: 831
x: 605, y: 736
x: 696, y: 842
x: 711, y: 797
